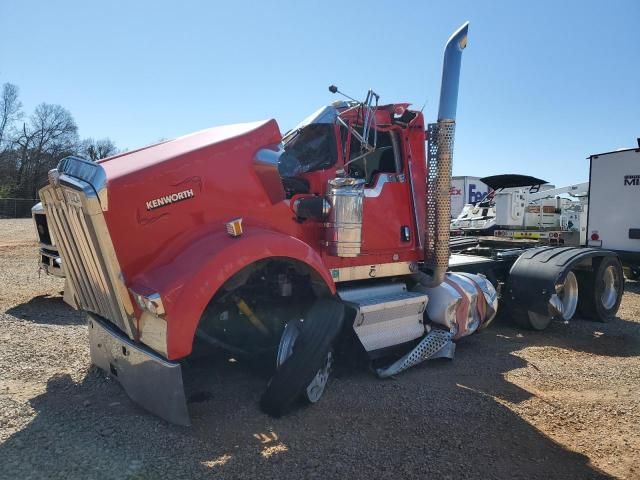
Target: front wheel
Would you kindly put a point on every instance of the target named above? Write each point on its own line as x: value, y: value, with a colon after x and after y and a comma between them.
x: 304, y: 358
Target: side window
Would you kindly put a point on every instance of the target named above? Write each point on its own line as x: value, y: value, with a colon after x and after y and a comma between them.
x: 368, y: 165
x: 310, y: 149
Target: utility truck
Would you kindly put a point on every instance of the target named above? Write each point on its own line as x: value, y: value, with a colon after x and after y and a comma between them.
x: 241, y: 238
x: 525, y: 207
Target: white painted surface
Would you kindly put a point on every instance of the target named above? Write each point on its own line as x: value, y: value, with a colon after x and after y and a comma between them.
x: 614, y: 204
x: 465, y: 189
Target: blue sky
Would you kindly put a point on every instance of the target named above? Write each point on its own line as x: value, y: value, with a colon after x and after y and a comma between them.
x: 544, y: 84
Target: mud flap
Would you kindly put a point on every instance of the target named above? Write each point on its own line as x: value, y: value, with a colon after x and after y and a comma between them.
x: 148, y: 379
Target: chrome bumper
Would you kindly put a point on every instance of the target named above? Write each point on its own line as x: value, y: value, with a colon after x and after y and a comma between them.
x: 148, y: 379
x: 50, y: 262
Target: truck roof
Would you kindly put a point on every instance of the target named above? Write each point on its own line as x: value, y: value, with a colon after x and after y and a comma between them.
x: 595, y: 155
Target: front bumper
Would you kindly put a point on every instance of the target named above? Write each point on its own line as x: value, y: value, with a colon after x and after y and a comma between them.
x: 50, y: 262
x: 148, y: 379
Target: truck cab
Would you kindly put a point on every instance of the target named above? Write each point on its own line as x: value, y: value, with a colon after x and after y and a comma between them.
x: 384, y: 165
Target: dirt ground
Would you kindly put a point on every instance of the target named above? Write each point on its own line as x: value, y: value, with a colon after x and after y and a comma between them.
x: 563, y: 403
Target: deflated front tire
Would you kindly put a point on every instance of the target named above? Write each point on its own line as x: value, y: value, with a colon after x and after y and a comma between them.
x: 306, y: 367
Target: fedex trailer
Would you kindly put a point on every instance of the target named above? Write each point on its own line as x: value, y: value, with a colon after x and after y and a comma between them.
x: 465, y: 189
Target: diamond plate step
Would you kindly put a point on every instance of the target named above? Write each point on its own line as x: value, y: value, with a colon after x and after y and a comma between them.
x: 386, y: 315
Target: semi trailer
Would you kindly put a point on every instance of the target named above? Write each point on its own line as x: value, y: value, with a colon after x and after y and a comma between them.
x: 241, y: 238
x: 466, y: 190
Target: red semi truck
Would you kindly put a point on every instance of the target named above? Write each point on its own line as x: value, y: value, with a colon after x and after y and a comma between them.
x: 259, y: 243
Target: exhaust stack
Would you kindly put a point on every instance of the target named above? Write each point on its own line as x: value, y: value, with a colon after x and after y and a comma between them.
x: 440, y: 156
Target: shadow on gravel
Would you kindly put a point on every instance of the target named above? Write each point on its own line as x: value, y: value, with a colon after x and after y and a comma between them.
x: 440, y: 420
x: 632, y: 286
x: 49, y: 310
x: 617, y: 338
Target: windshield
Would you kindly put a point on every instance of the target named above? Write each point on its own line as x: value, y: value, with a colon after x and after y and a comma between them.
x: 312, y: 148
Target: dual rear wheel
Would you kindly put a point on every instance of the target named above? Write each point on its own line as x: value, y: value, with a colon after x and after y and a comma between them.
x: 595, y: 295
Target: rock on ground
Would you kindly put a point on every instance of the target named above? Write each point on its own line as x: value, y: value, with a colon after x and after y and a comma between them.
x: 563, y: 403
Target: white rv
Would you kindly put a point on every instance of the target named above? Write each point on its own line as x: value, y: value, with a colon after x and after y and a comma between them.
x: 614, y: 205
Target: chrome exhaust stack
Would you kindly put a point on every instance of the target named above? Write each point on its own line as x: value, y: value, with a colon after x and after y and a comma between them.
x: 439, y: 159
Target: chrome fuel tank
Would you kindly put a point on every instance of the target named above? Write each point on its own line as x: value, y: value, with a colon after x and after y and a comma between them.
x: 343, y: 229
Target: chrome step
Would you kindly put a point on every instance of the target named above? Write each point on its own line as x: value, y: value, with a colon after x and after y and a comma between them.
x: 386, y: 315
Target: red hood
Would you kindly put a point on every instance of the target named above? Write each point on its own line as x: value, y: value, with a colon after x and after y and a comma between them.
x: 152, y: 156
x: 174, y: 191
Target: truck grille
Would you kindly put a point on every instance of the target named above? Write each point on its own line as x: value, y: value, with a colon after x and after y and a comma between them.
x: 78, y: 224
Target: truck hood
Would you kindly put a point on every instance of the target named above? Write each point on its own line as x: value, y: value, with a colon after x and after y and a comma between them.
x: 154, y: 155
x: 161, y: 195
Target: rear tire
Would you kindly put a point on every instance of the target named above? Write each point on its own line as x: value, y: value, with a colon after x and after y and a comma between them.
x: 312, y: 348
x: 601, y: 292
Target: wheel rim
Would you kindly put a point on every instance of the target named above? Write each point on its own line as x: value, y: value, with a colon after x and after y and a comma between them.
x: 316, y: 387
x: 287, y: 341
x: 567, y: 293
x: 609, y: 289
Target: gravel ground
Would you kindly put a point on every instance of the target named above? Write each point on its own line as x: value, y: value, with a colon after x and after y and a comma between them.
x: 563, y: 403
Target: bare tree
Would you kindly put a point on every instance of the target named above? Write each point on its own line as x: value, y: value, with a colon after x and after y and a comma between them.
x: 50, y: 135
x: 97, y: 149
x: 10, y: 111
x: 29, y: 149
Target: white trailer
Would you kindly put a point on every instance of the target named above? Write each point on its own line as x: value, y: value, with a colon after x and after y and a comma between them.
x: 613, y: 221
x: 465, y: 190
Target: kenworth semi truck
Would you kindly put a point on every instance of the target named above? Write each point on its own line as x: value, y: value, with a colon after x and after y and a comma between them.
x: 241, y: 238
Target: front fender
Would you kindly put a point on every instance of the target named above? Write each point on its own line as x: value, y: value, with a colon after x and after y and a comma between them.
x: 196, y: 273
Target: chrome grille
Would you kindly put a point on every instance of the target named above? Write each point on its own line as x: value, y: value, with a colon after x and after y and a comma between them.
x: 78, y: 224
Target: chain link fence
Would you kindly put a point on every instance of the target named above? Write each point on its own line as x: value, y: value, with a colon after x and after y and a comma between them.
x: 16, y: 207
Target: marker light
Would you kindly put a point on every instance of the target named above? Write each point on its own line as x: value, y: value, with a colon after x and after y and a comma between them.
x: 234, y: 227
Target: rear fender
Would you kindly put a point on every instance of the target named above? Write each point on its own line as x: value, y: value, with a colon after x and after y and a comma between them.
x: 534, y: 275
x: 196, y: 273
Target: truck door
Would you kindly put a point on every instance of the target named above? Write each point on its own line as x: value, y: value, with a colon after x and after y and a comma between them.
x: 388, y: 225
